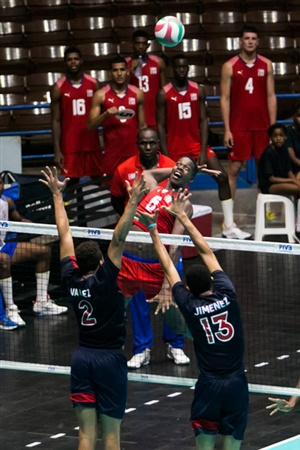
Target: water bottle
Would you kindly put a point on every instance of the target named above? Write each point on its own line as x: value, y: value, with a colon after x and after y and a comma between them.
x: 138, y: 70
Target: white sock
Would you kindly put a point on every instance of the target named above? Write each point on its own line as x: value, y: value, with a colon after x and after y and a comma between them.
x: 6, y: 285
x: 42, y: 281
x: 298, y: 217
x: 227, y: 207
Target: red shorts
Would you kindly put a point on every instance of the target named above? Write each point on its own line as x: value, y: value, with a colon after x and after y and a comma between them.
x: 140, y: 273
x: 247, y: 144
x: 210, y: 153
x: 82, y: 164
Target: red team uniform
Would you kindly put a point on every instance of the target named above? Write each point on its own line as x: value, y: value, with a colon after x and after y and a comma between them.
x: 80, y: 147
x: 119, y: 135
x: 149, y: 83
x: 141, y: 273
x: 127, y: 170
x: 249, y: 125
x: 182, y: 122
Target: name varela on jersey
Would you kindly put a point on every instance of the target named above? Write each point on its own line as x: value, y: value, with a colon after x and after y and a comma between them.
x: 75, y: 292
x: 212, y: 307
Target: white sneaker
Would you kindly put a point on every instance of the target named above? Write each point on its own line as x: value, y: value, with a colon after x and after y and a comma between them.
x: 13, y: 314
x: 140, y: 359
x: 48, y: 308
x: 177, y: 355
x: 234, y: 232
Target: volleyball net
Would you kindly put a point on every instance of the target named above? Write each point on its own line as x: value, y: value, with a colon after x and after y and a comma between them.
x: 267, y: 282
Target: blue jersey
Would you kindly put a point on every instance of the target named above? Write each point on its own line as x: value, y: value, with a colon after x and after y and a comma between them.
x: 215, y: 324
x: 98, y: 304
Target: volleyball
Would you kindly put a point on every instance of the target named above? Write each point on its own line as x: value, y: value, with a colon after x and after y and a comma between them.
x: 169, y: 31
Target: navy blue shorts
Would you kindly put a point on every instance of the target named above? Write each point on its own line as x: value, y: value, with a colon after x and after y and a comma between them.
x: 220, y: 405
x: 99, y: 380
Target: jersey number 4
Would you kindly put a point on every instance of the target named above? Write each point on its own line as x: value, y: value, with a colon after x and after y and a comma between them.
x: 249, y: 85
x: 225, y: 330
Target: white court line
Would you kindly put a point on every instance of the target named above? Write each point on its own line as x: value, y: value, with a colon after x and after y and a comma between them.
x: 152, y: 402
x: 57, y: 436
x: 33, y: 444
x: 130, y: 410
x: 282, y: 357
x: 175, y: 394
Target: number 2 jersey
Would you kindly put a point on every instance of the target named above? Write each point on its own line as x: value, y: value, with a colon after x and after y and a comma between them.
x: 182, y: 121
x: 75, y: 106
x: 98, y: 304
x: 249, y: 97
x: 215, y: 324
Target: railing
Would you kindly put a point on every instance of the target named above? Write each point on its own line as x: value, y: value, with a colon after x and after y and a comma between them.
x: 250, y: 166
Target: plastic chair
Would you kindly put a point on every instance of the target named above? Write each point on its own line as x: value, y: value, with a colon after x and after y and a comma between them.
x: 275, y: 215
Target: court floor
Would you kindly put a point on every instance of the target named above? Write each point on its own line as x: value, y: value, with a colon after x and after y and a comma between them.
x: 36, y: 413
x: 35, y: 410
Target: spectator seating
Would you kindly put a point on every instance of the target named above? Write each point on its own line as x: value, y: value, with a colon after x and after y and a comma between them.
x: 99, y: 29
x: 45, y: 58
x: 11, y: 34
x: 14, y: 60
x: 221, y: 23
x: 125, y: 25
x: 269, y: 22
x: 46, y: 32
x: 194, y: 49
x: 48, y: 9
x: 12, y: 83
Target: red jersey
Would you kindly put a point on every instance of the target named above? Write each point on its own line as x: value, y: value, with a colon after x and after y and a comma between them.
x: 75, y: 105
x: 249, y: 98
x: 126, y: 172
x: 149, y: 83
x: 182, y: 121
x: 119, y: 135
x: 157, y: 198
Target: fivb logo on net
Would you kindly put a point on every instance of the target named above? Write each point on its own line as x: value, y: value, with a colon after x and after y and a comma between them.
x: 4, y: 224
x: 94, y: 232
x: 285, y: 247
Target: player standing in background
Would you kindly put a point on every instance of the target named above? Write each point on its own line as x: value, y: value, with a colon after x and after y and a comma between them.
x: 183, y: 131
x: 147, y: 72
x: 119, y: 134
x: 98, y: 367
x: 76, y: 149
x: 248, y: 104
x: 209, y: 306
x: 149, y: 158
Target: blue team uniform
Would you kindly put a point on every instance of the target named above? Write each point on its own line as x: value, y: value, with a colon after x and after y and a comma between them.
x: 98, y: 366
x: 220, y: 402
